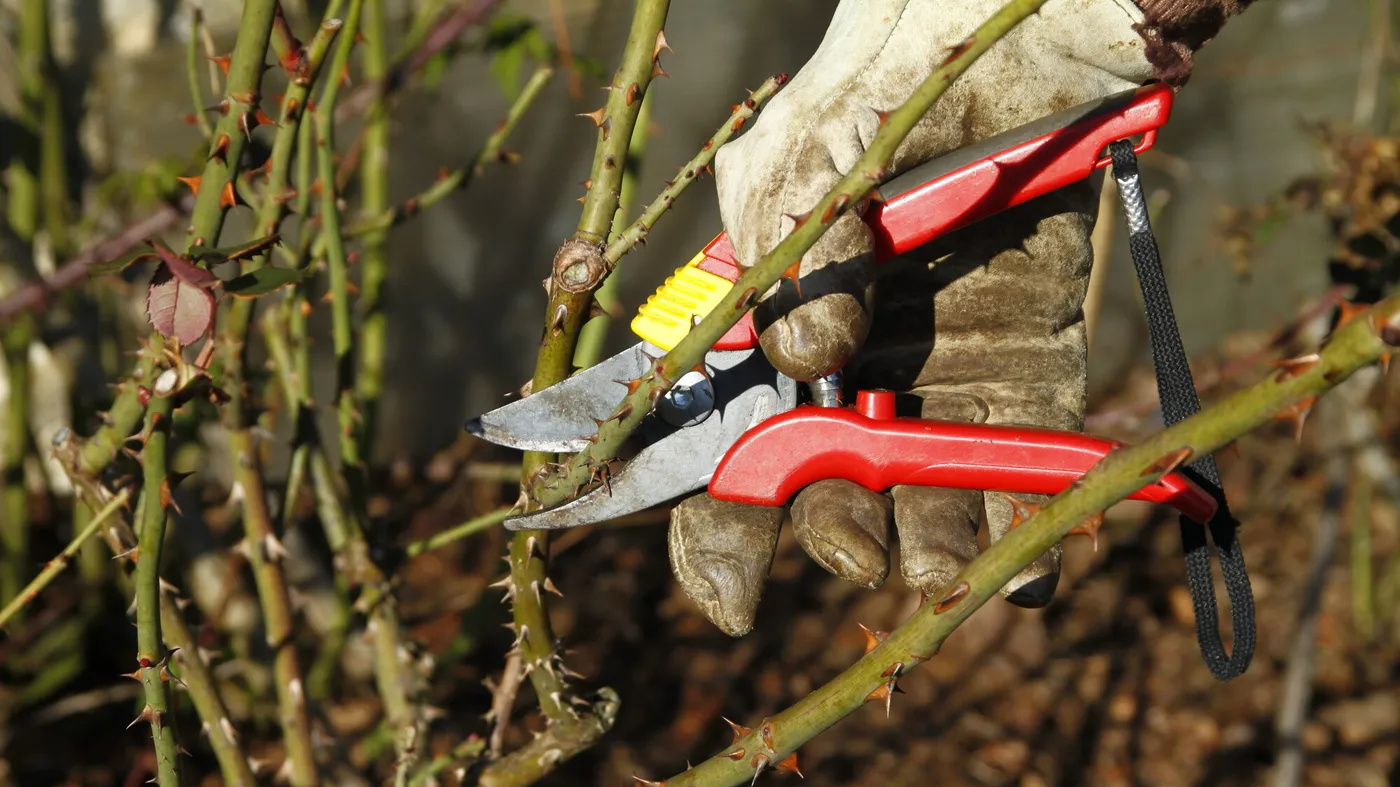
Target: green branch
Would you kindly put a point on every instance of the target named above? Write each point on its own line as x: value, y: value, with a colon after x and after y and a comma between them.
x: 550, y: 488
x: 150, y: 656
x: 1362, y: 342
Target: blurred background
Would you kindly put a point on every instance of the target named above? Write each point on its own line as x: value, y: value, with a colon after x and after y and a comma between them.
x: 1271, y: 190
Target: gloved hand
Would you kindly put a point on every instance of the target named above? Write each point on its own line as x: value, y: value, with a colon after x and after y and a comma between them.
x: 985, y: 324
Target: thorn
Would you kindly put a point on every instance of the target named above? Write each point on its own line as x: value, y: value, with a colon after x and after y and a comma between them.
x: 882, y: 116
x: 798, y: 219
x: 1169, y: 462
x: 532, y: 544
x: 760, y: 763
x: 132, y: 554
x: 1297, y: 413
x: 872, y: 638
x: 1293, y: 367
x: 657, y: 70
x: 640, y: 782
x: 1021, y: 511
x: 504, y: 582
x: 273, y: 550
x: 765, y: 733
x: 951, y: 600
x: 222, y: 61
x: 147, y: 715
x: 220, y: 149
x: 1348, y: 311
x: 739, y: 730
x: 193, y: 182
x: 660, y: 45
x: 561, y: 315
x: 227, y: 199
x: 549, y: 586
x: 882, y: 693
x: 622, y: 413
x: 791, y: 274
x: 1089, y: 527
x: 633, y: 90
x: 746, y: 299
x: 632, y: 387
x: 596, y: 115
x: 790, y: 765
x: 836, y: 207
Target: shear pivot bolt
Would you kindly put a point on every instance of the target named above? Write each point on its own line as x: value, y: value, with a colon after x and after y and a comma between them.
x: 689, y: 402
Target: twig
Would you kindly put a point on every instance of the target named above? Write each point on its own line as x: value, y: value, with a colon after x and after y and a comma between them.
x: 637, y: 232
x: 56, y: 566
x: 1296, y: 693
x: 437, y: 38
x: 459, y: 179
x: 548, y: 488
x: 467, y: 750
x: 1353, y: 346
x: 503, y: 701
x: 150, y: 656
x: 469, y: 528
x: 33, y: 295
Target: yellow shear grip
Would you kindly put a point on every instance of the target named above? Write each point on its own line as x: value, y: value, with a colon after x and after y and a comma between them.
x: 689, y: 293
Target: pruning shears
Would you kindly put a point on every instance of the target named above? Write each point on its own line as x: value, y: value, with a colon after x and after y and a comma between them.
x: 739, y: 428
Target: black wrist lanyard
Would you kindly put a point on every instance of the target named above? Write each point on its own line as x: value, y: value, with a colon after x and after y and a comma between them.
x: 1177, y: 391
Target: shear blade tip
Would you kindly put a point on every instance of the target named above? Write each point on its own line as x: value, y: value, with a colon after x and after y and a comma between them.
x: 474, y: 427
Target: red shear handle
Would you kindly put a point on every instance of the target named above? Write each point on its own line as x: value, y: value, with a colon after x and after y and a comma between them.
x: 873, y: 448
x: 970, y: 184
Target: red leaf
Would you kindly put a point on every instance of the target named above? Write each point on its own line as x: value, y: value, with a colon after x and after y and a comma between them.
x: 178, y: 309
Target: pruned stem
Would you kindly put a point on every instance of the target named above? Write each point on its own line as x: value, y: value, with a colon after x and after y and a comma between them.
x: 14, y: 495
x: 563, y: 739
x: 374, y: 199
x: 1357, y: 344
x: 150, y: 654
x: 548, y: 489
x: 564, y: 316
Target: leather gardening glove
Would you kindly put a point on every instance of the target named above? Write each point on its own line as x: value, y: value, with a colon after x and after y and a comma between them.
x: 985, y: 324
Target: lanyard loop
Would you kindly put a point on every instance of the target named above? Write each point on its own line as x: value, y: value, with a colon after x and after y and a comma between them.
x: 1177, y: 392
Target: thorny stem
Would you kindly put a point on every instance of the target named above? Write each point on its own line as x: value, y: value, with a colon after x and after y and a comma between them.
x: 1357, y: 344
x: 59, y: 563
x: 210, y: 206
x: 564, y: 316
x: 469, y: 749
x: 548, y: 489
x: 594, y: 334
x: 265, y: 554
x: 204, y: 693
x: 150, y: 657
x: 198, y: 681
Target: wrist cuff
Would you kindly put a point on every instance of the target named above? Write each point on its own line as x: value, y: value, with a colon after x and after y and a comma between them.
x: 1175, y: 29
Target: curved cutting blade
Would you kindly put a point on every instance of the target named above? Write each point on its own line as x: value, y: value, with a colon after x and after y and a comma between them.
x: 562, y: 417
x: 677, y: 461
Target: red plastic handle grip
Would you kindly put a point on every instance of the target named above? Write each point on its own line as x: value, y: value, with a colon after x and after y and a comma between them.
x: 968, y: 185
x: 877, y: 450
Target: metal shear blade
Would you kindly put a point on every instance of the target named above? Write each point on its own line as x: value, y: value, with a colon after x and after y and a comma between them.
x: 678, y: 460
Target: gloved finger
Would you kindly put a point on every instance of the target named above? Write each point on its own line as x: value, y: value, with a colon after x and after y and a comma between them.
x: 937, y: 530
x: 720, y: 554
x: 812, y: 328
x: 1034, y: 586
x: 845, y: 528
